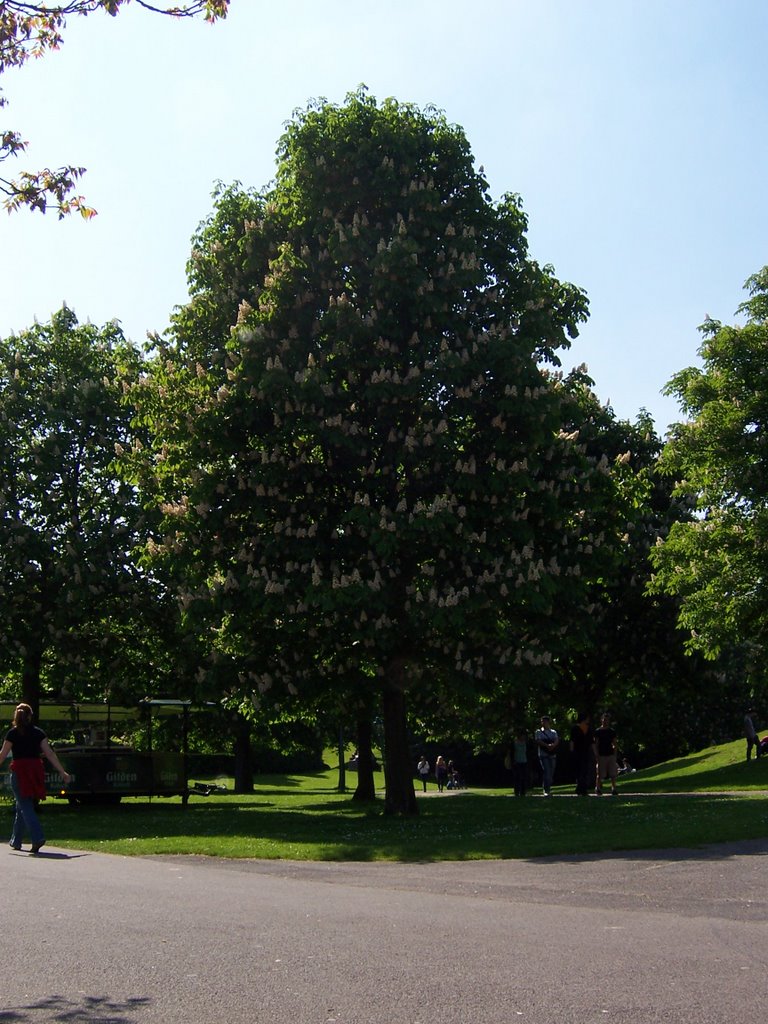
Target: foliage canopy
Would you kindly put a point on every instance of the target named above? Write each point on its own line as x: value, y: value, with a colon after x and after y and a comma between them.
x: 70, y: 591
x: 30, y: 30
x: 360, y: 455
x: 716, y: 563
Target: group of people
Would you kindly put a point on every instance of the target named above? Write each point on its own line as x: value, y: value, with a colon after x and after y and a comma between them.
x: 446, y: 773
x: 594, y: 756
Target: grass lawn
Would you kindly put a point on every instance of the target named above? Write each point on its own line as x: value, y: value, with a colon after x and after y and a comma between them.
x: 716, y: 769
x: 304, y: 818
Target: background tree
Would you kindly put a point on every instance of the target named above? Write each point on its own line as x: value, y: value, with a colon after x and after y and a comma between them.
x: 30, y: 30
x: 75, y: 609
x: 716, y: 563
x: 623, y: 636
x: 618, y: 642
x: 630, y: 658
x: 371, y: 479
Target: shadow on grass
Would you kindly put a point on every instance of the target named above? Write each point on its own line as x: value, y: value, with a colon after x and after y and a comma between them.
x: 681, y: 764
x: 277, y: 791
x: 479, y: 826
x: 743, y: 776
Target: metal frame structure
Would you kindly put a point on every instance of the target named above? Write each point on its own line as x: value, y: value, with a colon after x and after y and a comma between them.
x: 104, y: 771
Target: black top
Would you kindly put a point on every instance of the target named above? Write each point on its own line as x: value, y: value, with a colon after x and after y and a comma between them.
x: 582, y: 741
x: 605, y: 739
x: 26, y: 744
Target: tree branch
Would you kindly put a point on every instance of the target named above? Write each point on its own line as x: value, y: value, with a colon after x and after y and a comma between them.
x: 29, y: 30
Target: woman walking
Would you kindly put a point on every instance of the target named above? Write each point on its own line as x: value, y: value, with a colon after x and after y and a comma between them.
x: 29, y: 745
x: 423, y: 769
x: 441, y: 773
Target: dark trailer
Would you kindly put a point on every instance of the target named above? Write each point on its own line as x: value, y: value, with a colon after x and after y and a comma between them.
x: 103, y: 769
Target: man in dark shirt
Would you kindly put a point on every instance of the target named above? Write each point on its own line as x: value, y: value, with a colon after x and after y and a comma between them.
x: 605, y: 748
x: 583, y: 754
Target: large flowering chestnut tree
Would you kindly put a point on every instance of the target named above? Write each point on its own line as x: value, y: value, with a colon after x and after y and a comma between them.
x: 360, y: 454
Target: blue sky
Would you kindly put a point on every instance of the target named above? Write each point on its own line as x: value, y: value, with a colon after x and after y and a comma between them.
x: 635, y: 133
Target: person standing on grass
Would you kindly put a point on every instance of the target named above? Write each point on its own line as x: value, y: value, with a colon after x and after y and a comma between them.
x: 750, y: 731
x: 605, y: 749
x: 423, y: 769
x: 583, y: 754
x: 29, y: 745
x: 520, y: 763
x: 547, y: 742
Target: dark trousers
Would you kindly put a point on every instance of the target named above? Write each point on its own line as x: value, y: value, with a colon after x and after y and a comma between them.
x: 585, y: 773
x: 520, y: 777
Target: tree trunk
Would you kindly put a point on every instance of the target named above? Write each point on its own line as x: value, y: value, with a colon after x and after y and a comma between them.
x: 242, y: 751
x: 30, y: 677
x: 366, y: 789
x: 400, y: 796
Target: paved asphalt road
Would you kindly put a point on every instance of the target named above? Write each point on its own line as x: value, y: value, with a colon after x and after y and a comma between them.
x: 635, y: 939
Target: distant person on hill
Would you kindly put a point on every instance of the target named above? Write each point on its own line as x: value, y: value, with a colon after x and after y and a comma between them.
x: 750, y: 731
x: 605, y: 748
x: 547, y: 742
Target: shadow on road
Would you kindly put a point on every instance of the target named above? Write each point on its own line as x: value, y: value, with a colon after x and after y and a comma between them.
x: 48, y: 855
x: 88, y: 1010
x: 717, y: 851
